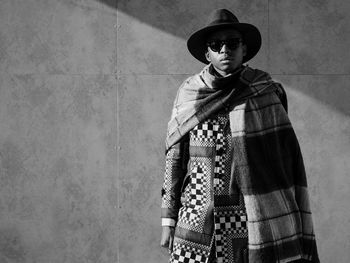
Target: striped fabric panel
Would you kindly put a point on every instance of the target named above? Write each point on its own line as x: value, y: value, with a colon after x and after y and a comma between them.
x: 271, y: 205
x: 267, y: 152
x: 270, y: 163
x: 257, y: 117
x: 265, y: 119
x: 270, y: 173
x: 302, y: 197
x: 268, y: 232
x: 277, y: 203
x: 264, y: 145
x: 268, y: 213
x: 287, y: 250
x: 279, y: 227
x: 173, y: 178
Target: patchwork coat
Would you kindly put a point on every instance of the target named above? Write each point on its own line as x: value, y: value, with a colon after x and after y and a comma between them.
x: 235, y: 181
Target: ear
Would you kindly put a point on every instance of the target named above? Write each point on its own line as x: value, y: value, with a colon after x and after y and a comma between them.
x: 207, y: 56
x: 244, y: 47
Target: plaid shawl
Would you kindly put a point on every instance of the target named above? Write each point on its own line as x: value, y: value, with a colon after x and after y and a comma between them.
x: 267, y: 163
x: 205, y: 94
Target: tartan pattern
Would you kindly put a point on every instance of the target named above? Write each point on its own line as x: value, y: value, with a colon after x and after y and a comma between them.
x: 264, y: 217
x: 189, y: 110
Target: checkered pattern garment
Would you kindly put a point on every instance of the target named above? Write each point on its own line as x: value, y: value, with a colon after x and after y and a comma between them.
x: 207, y: 182
x: 235, y: 180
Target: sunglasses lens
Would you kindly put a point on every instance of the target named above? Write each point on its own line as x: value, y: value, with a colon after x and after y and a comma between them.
x: 215, y: 45
x: 231, y: 43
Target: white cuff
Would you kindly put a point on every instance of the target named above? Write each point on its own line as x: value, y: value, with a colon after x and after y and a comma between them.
x: 168, y: 222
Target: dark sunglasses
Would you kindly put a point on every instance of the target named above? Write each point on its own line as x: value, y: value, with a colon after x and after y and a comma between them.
x: 232, y: 44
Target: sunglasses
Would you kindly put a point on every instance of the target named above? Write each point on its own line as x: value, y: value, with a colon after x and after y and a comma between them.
x: 232, y: 44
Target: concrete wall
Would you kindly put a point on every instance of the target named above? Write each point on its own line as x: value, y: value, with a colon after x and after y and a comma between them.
x: 86, y: 89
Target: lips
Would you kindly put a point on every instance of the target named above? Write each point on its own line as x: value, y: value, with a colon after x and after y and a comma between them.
x: 226, y: 59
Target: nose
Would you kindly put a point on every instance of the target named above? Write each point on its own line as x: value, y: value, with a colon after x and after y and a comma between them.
x: 224, y: 48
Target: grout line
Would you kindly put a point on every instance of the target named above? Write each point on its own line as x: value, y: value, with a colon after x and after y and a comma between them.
x: 276, y: 74
x: 268, y: 36
x: 60, y: 74
x: 93, y: 74
x: 117, y: 123
x: 311, y: 74
x: 135, y: 73
x: 117, y: 75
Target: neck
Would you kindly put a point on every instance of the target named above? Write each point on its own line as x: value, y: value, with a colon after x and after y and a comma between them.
x: 215, y: 81
x: 220, y: 73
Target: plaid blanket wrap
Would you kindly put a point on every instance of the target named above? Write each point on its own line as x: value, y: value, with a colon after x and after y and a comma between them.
x: 267, y: 161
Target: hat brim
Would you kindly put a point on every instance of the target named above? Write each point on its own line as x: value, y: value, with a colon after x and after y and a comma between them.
x: 196, y: 44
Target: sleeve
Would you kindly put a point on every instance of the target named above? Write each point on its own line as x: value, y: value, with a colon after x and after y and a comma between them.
x: 281, y: 93
x: 168, y: 222
x: 175, y: 170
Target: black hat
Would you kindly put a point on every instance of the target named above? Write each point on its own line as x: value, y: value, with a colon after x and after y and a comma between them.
x: 219, y: 19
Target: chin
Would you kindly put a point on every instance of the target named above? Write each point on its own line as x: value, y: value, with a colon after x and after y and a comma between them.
x: 229, y: 68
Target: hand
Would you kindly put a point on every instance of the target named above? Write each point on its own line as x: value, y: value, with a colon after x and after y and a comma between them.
x: 167, y: 237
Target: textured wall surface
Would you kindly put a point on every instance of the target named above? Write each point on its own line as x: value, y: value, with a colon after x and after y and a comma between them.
x: 58, y: 184
x: 86, y: 89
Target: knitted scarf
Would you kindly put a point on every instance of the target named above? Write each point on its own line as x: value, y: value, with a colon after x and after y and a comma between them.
x: 267, y: 164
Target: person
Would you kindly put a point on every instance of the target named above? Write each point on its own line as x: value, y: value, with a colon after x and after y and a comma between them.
x: 234, y: 187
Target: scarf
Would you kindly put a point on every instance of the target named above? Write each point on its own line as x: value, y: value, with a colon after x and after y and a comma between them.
x: 267, y: 164
x: 205, y: 94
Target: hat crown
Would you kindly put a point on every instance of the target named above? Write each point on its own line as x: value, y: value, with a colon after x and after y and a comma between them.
x: 224, y: 19
x: 222, y: 16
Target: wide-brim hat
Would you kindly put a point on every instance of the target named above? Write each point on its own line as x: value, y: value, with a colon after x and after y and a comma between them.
x: 222, y: 19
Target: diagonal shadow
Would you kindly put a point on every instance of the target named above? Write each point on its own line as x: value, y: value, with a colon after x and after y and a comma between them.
x: 181, y: 18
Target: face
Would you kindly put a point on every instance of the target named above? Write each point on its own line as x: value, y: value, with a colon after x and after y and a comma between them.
x: 226, y: 59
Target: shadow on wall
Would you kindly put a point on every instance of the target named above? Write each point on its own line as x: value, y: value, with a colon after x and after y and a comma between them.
x: 330, y: 89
